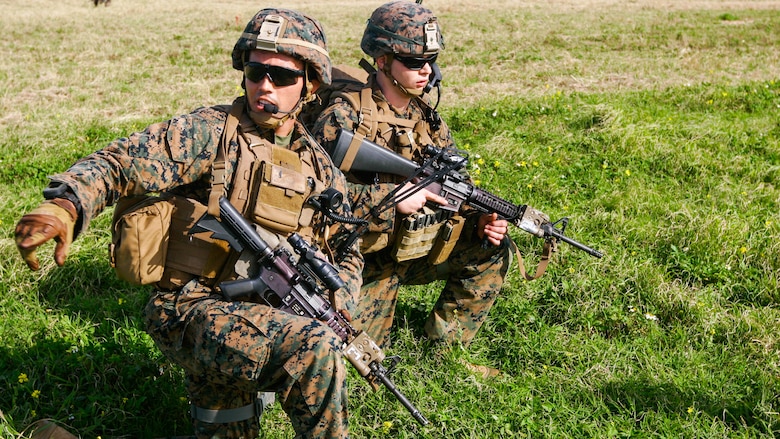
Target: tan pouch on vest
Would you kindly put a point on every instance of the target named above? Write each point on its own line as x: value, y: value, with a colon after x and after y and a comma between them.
x: 448, y: 236
x: 140, y: 237
x: 279, y: 190
x: 374, y: 241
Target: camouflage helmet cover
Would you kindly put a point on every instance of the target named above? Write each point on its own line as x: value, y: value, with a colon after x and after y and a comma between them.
x: 402, y: 27
x: 287, y: 32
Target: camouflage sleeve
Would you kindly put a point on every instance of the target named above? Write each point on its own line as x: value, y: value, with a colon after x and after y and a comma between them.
x: 331, y: 120
x: 163, y: 156
x: 363, y: 197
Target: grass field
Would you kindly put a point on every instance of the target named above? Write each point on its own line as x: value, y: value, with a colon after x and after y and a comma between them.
x: 653, y: 125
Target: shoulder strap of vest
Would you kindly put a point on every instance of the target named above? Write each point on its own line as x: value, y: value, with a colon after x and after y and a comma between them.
x: 218, y: 173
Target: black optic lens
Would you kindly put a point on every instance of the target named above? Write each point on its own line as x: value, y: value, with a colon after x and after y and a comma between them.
x: 280, y: 76
x: 414, y: 62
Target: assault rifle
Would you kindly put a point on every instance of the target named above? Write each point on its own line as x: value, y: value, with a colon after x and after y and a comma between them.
x: 298, y: 285
x: 439, y: 174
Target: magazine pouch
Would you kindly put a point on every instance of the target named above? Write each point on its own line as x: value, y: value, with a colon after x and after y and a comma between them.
x: 445, y: 242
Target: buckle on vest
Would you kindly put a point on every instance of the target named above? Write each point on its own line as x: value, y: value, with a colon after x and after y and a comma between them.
x: 218, y: 173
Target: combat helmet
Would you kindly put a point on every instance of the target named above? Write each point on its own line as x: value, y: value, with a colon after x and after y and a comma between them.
x: 402, y: 27
x: 287, y: 32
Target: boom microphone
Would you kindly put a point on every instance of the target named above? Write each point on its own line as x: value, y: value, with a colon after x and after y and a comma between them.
x: 270, y: 108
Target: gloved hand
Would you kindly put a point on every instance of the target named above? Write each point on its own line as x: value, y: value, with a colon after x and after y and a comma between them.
x: 52, y: 219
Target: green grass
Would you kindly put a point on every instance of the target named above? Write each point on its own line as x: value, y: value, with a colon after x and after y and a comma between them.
x: 654, y: 129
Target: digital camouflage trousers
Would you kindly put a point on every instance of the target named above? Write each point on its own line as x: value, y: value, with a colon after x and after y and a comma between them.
x: 473, y: 274
x: 230, y: 351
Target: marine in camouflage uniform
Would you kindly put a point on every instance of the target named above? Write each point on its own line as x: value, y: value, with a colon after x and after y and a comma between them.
x: 230, y: 351
x: 404, y: 39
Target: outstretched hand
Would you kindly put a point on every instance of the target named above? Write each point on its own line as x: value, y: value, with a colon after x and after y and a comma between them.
x: 52, y: 219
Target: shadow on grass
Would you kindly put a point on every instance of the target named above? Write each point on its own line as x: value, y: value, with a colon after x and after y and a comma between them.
x: 93, y: 368
x: 411, y: 315
x: 103, y: 389
x: 641, y: 396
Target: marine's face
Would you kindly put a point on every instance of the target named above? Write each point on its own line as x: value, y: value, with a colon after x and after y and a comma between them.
x: 272, y: 87
x: 410, y: 78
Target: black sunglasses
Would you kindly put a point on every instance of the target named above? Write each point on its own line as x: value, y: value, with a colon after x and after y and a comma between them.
x: 415, y: 62
x: 280, y: 76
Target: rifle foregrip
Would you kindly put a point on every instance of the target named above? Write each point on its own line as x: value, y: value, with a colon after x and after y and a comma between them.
x: 489, y: 203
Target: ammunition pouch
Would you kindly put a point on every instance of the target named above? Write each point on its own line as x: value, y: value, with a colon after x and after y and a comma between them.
x: 449, y: 233
x: 429, y: 232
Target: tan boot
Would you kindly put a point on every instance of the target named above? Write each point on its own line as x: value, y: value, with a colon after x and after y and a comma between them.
x: 47, y: 429
x: 483, y: 371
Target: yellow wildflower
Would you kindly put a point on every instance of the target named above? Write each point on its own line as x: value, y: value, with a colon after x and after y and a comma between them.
x: 23, y: 378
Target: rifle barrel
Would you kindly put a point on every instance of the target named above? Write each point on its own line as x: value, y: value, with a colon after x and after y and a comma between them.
x: 382, y: 375
x: 550, y: 230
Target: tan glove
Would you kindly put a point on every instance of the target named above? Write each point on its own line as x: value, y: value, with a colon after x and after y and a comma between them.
x: 52, y: 219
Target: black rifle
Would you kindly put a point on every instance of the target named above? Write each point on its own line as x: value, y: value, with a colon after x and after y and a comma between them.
x: 439, y: 174
x: 299, y: 286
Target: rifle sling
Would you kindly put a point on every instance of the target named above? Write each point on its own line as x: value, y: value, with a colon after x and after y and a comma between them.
x: 549, y: 249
